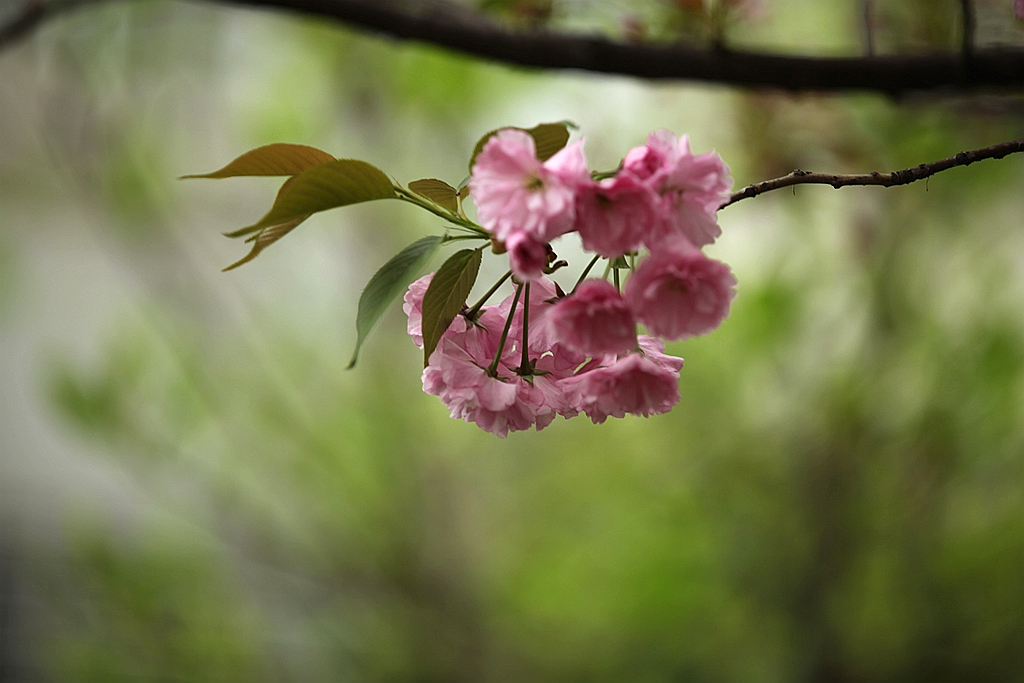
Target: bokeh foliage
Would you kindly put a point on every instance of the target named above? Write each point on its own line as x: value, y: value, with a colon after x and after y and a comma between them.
x: 838, y: 496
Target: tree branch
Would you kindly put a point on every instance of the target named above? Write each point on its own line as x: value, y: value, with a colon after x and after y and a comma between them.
x: 457, y: 28
x: 904, y: 177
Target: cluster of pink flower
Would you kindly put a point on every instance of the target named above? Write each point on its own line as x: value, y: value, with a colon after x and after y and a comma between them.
x: 541, y: 353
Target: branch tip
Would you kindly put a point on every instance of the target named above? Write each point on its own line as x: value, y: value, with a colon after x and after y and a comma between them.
x: 894, y: 178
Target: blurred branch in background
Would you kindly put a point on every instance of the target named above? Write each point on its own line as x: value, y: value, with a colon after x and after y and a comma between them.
x: 459, y: 28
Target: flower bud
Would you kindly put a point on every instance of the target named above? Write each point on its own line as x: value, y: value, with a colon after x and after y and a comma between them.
x: 527, y: 256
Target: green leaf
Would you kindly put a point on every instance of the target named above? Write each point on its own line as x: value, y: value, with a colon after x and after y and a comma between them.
x: 277, y: 159
x: 387, y: 283
x: 548, y: 139
x: 446, y: 296
x: 479, y: 147
x: 264, y: 239
x: 437, y: 191
x: 326, y: 186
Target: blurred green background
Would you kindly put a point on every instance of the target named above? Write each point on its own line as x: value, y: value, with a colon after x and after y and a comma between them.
x: 193, y: 489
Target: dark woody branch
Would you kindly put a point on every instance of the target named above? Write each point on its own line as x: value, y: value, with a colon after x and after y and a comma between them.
x: 904, y: 177
x: 460, y: 29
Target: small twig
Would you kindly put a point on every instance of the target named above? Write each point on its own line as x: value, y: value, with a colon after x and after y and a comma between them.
x: 433, y: 208
x: 892, y: 179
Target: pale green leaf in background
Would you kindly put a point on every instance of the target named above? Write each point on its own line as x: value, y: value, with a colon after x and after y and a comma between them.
x: 387, y: 283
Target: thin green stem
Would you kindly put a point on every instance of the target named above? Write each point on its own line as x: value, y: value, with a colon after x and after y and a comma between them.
x: 586, y: 272
x: 616, y: 276
x: 475, y: 233
x: 461, y: 238
x: 524, y: 365
x: 475, y: 308
x: 407, y: 196
x: 493, y: 369
x: 607, y: 269
x: 601, y: 175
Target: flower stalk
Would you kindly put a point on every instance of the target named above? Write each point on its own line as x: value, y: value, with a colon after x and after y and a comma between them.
x: 475, y: 308
x: 525, y: 370
x: 493, y: 369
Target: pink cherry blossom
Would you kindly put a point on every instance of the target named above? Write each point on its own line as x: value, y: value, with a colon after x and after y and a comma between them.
x: 496, y: 404
x: 582, y: 353
x: 704, y: 178
x: 634, y: 384
x: 1018, y: 8
x: 513, y: 190
x: 595, y: 320
x: 458, y: 373
x: 614, y: 215
x: 650, y: 162
x: 527, y: 255
x: 679, y: 293
x: 413, y: 308
x: 458, y: 379
x: 692, y: 187
x: 654, y: 349
x: 537, y: 404
x: 481, y: 337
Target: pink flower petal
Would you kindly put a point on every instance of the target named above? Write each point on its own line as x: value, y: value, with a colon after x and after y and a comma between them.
x: 595, y: 320
x: 679, y: 294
